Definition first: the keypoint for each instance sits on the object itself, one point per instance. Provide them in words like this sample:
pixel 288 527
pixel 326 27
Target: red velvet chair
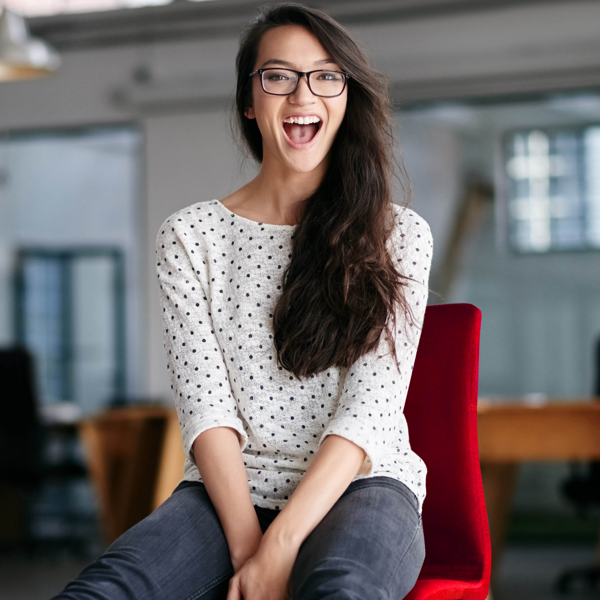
pixel 441 410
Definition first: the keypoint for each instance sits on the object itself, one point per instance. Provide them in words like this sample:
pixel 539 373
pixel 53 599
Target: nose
pixel 302 95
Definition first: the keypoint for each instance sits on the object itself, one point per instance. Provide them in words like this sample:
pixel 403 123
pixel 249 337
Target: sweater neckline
pixel 252 223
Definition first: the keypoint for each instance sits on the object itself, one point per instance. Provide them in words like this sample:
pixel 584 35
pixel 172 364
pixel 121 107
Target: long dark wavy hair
pixel 341 285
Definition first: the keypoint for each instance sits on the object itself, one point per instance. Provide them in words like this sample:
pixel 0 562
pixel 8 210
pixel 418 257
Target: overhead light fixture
pixel 21 56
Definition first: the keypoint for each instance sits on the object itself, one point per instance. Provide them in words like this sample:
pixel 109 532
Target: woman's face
pixel 301 148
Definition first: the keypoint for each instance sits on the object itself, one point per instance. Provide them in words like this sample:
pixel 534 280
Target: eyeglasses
pixel 282 82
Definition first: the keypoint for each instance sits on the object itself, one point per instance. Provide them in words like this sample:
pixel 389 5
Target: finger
pixel 234 590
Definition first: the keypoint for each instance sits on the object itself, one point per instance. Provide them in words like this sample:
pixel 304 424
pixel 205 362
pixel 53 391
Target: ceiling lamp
pixel 21 56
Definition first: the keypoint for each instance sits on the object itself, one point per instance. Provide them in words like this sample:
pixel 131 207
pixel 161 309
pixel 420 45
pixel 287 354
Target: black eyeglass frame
pixel 300 74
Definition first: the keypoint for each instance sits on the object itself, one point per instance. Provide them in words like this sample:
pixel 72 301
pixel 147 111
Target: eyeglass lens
pixel 321 83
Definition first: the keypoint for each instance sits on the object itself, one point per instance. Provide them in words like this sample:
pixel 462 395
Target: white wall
pixel 433 158
pixel 189 158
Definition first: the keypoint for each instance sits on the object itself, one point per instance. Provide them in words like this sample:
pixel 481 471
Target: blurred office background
pixel 498 108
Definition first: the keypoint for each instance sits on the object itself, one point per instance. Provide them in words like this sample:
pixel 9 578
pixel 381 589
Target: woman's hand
pixel 266 575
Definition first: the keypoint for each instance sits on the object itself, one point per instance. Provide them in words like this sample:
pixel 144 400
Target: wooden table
pixel 512 432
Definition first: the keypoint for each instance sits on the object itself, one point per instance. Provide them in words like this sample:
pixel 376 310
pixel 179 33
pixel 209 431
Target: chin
pixel 305 167
pixel 304 164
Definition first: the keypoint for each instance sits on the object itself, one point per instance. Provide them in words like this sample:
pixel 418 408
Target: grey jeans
pixel 369 546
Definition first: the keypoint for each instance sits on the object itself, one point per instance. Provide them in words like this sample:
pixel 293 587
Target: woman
pixel 292 312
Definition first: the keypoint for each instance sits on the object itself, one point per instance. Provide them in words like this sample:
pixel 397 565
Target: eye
pixel 329 76
pixel 276 76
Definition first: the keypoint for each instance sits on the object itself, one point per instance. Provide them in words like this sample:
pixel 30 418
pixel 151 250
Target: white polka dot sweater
pixel 220 276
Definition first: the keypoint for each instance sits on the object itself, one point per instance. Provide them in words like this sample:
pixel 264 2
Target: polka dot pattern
pixel 220 276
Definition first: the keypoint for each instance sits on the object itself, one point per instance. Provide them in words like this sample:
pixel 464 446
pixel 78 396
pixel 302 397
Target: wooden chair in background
pixel 135 459
pixel 170 468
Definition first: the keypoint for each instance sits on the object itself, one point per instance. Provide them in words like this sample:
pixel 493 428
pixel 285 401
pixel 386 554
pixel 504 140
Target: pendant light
pixel 21 56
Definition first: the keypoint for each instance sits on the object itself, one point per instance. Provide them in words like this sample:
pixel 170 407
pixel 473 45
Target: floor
pixel 528 572
pixel 39 579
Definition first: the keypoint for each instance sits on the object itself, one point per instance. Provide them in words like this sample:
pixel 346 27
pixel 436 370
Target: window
pixel 70 314
pixel 71 261
pixel 553 188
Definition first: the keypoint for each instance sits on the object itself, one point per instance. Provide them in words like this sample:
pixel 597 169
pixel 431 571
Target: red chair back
pixel 441 410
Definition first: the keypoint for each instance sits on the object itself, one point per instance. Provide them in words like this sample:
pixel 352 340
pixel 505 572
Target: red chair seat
pixel 445 589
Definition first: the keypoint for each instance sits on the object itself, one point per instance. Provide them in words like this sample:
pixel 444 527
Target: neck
pixel 277 190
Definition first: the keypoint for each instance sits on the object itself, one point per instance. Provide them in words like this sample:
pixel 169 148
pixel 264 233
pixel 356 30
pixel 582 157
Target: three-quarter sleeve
pixel 371 404
pixel 199 379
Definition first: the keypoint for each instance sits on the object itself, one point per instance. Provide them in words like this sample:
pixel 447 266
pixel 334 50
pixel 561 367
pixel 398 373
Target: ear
pixel 250 114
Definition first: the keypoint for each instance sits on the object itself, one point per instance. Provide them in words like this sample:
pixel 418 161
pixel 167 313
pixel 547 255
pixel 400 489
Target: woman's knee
pixel 353 563
pixel 338 578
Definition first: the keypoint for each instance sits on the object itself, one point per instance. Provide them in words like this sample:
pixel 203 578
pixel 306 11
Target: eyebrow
pixel 285 63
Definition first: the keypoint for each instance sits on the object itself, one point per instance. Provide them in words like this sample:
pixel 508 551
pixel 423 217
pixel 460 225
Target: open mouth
pixel 301 130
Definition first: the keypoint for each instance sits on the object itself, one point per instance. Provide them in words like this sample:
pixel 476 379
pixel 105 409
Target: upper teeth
pixel 301 120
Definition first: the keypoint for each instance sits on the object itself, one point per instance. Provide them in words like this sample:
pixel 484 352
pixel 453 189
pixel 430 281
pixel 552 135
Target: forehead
pixel 290 43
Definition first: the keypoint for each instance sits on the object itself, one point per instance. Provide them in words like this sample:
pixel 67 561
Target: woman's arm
pixel 219 460
pixel 331 471
pixel 206 406
pixel 267 573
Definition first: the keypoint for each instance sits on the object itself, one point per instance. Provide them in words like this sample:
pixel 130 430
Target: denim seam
pixel 208 586
pixel 407 493
pixel 412 541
